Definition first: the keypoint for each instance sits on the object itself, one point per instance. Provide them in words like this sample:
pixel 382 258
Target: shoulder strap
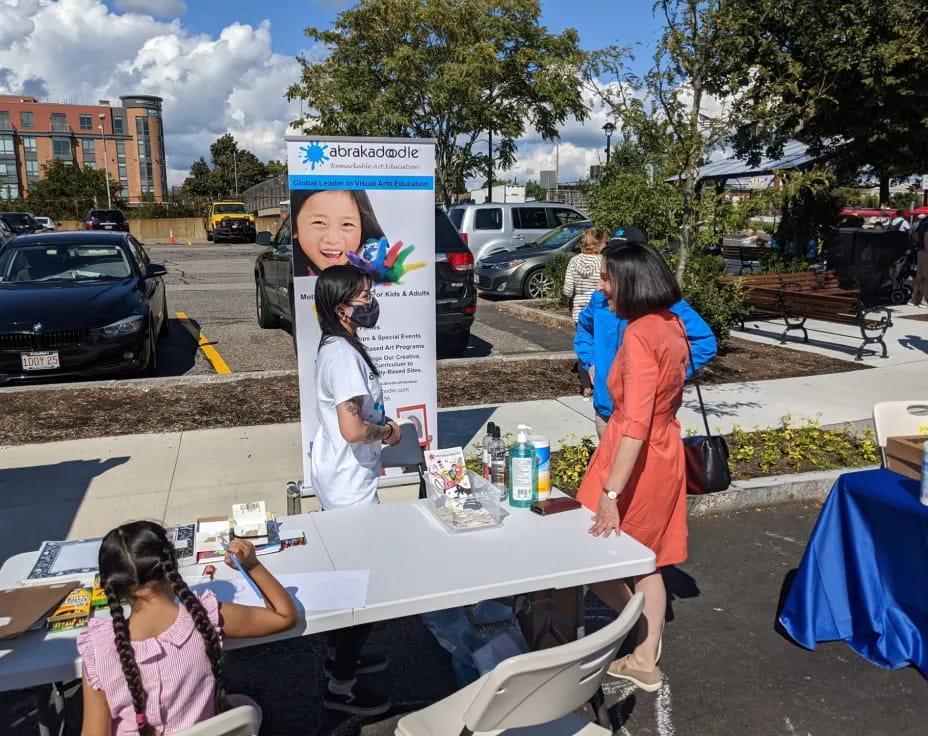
pixel 689 351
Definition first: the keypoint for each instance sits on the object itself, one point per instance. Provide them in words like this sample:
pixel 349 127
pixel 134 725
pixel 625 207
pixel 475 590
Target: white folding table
pixel 416 566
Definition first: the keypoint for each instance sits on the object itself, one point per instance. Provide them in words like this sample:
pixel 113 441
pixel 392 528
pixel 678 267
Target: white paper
pixel 314 591
pixel 250 519
pixel 76 557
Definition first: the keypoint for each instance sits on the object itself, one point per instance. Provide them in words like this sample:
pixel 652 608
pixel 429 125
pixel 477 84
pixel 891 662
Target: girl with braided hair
pixel 160 670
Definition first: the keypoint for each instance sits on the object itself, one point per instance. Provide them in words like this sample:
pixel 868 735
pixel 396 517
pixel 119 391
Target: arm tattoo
pixel 375 432
pixel 354 406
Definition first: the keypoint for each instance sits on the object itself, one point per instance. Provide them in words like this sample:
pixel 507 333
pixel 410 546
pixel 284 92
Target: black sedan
pixel 78 304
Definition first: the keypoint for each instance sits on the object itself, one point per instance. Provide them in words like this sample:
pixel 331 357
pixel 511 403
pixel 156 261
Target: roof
pixel 795 155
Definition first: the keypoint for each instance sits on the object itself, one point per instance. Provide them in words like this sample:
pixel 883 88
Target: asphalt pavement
pixel 727 668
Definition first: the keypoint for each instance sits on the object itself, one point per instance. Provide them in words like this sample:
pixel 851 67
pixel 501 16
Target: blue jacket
pixel 599 334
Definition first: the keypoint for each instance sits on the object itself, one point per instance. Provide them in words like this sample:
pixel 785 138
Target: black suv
pixel 21 223
pixel 106 220
pixel 455 292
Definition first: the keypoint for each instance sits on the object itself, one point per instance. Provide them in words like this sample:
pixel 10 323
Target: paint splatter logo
pixel 314 154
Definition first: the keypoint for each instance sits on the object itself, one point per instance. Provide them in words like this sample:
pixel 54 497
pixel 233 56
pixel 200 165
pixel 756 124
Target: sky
pixel 223 66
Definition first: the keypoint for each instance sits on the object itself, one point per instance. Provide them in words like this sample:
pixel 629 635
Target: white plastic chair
pixel 534 693
pixel 899 419
pixel 240 721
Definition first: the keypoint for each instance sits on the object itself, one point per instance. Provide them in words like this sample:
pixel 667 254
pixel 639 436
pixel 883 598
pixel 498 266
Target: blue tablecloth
pixel 864 574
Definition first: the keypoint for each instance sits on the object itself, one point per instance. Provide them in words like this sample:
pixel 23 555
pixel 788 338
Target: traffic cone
pixel 171 240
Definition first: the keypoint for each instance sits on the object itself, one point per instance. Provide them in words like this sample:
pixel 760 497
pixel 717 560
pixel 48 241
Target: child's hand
pixel 244 552
pixel 389 266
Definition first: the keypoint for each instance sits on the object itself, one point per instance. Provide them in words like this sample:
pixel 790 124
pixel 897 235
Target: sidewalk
pixel 83 488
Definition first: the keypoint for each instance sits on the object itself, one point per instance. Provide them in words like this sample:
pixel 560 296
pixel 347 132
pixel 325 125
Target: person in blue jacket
pixel 599 334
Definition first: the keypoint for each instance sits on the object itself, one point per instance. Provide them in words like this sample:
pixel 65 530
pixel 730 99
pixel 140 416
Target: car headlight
pixel 127 326
pixel 511 264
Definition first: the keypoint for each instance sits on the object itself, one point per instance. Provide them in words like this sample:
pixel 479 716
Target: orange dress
pixel 646 385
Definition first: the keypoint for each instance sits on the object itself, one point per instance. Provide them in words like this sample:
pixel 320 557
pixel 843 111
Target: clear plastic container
pixel 480 509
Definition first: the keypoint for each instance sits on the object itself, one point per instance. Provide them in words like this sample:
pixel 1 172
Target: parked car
pixel 79 304
pixel 493 226
pixel 229 220
pixel 47 223
pixel 5 233
pixel 106 220
pixel 521 271
pixel 455 293
pixel 20 222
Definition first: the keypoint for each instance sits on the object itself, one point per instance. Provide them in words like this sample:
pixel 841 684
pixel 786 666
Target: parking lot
pixel 214 287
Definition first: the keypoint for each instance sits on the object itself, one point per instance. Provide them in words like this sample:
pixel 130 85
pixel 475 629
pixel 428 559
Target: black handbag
pixel 706 456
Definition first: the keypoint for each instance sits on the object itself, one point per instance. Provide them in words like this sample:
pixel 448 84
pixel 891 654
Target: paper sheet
pixel 314 591
pixel 77 557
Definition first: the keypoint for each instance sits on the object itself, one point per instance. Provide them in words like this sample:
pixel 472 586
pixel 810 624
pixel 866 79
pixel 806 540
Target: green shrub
pixel 569 464
pixel 556 268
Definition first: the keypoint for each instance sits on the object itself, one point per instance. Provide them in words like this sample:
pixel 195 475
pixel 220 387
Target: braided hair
pixel 133 555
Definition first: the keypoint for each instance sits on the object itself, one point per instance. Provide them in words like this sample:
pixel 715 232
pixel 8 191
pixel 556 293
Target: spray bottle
pixel 486 446
pixel 498 463
pixel 523 471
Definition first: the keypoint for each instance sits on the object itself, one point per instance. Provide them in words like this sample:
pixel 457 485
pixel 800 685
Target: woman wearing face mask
pixel 345 462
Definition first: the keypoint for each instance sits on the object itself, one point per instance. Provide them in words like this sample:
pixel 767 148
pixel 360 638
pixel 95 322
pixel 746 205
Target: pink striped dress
pixel 174 666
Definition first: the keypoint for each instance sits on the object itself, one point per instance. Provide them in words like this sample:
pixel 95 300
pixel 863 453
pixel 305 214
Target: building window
pixel 125 193
pixel 27 120
pixel 117 126
pixel 6 144
pixel 9 191
pixel 86 122
pixel 61 148
pixel 141 126
pixel 89 145
pixel 5 120
pixel 60 123
pixel 7 169
pixel 32 169
pixel 123 174
pixel 29 143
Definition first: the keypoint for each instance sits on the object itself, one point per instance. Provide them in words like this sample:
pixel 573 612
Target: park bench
pixel 797 297
pixel 747 255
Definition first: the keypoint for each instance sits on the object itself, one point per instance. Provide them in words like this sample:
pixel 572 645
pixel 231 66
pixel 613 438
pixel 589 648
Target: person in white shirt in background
pixel 345 460
pixel 899 222
pixel 580 281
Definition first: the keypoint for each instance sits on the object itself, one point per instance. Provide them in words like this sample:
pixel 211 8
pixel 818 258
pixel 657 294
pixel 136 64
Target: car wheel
pixel 538 285
pixel 899 296
pixel 209 236
pixel 456 343
pixel 267 320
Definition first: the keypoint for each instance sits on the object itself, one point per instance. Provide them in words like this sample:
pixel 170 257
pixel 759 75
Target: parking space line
pixel 211 354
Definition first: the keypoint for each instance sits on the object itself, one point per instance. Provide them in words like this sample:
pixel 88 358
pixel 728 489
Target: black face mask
pixel 366 315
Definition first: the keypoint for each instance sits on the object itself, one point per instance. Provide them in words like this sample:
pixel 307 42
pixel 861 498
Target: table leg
pixel 580 621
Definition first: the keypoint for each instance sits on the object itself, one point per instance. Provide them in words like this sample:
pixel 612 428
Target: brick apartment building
pixel 130 142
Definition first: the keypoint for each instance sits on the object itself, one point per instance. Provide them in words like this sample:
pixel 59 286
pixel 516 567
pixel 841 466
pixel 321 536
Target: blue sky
pixel 223 66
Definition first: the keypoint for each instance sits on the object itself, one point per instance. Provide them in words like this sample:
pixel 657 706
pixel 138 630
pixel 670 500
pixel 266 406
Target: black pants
pixel 347 644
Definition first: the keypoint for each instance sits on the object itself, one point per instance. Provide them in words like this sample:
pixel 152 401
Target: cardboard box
pixel 904 455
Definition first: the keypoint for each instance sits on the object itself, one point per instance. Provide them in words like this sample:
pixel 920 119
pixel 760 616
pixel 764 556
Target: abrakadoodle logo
pixel 314 153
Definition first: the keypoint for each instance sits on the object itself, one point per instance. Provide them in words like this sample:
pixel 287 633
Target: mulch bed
pixel 75 413
pixel 918 317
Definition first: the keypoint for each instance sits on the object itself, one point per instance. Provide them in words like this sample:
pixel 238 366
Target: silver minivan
pixel 495 226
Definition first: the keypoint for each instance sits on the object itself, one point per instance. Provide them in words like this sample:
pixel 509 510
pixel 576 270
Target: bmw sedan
pixel 79 304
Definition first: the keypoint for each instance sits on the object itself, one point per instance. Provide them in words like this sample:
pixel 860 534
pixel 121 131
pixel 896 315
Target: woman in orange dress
pixel 636 481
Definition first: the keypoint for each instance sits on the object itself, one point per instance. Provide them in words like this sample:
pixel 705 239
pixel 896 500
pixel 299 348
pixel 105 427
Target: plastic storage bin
pixel 477 510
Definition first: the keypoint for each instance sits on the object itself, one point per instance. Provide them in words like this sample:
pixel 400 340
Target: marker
pixel 242 570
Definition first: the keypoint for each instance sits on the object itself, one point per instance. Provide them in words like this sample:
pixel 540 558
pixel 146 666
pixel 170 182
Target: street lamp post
pixel 235 168
pixel 106 163
pixel 608 129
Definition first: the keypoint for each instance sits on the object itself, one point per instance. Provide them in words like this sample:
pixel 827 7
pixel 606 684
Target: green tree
pixel 66 191
pixel 454 70
pixel 276 168
pixel 198 182
pixel 669 111
pixel 847 79
pixel 231 165
pixel 534 190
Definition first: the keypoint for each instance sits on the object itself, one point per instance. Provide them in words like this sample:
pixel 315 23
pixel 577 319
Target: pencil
pixel 241 569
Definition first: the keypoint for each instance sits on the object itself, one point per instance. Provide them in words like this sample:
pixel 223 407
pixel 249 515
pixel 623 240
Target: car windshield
pixel 19 221
pixel 27 264
pixel 456 215
pixel 230 209
pixel 561 236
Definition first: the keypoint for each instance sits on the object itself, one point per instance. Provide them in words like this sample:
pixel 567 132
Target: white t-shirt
pixel 343 473
pixel 900 223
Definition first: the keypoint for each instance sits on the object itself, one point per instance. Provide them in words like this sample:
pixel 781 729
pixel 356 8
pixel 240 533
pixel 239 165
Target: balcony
pixel 61 128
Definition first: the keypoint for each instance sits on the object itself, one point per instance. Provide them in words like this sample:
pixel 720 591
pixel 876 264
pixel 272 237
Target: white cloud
pixel 160 8
pixel 233 82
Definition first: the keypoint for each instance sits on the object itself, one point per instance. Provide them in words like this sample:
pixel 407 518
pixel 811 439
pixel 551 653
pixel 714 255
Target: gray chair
pixel 532 694
pixel 406 454
pixel 240 721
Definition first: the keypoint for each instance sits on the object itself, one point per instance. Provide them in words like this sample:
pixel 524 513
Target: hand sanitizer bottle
pixel 523 471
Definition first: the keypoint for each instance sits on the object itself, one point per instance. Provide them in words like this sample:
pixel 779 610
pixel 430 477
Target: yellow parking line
pixel 212 355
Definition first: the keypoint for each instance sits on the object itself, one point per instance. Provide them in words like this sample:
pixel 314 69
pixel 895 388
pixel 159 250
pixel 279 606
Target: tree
pixel 198 182
pixel 847 79
pixel 276 168
pixel 534 191
pixel 67 191
pixel 459 71
pixel 669 110
pixel 234 170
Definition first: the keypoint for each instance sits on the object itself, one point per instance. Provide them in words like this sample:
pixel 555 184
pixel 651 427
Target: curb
pixel 521 309
pixel 143 384
pixel 775 490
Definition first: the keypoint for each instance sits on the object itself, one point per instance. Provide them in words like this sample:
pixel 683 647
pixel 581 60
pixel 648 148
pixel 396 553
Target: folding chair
pixel 899 419
pixel 241 721
pixel 406 454
pixel 535 692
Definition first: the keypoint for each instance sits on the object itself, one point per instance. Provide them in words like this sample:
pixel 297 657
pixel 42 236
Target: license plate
pixel 107 227
pixel 40 361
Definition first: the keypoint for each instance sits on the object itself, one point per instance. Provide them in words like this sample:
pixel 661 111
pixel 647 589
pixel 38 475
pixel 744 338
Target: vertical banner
pixel 369 202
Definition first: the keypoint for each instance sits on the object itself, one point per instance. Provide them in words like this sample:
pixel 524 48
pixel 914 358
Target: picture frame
pixel 417 415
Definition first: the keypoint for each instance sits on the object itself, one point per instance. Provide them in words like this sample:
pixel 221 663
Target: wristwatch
pixel 612 495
